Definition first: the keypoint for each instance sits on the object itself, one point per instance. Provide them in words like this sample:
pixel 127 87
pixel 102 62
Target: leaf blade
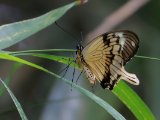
pixel 123 92
pixel 133 102
pixel 96 99
pixel 15 32
pixel 9 77
pixel 17 104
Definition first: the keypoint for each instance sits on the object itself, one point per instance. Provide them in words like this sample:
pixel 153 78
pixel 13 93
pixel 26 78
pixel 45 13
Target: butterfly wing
pixel 129 42
pixel 106 55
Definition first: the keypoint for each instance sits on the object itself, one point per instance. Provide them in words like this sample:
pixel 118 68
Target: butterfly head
pixel 79 48
pixel 79 55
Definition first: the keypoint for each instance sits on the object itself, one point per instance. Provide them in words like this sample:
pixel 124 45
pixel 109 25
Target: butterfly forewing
pixel 106 55
pixel 129 43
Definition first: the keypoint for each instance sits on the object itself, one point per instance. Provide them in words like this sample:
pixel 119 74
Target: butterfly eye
pixel 81 47
pixel 78 47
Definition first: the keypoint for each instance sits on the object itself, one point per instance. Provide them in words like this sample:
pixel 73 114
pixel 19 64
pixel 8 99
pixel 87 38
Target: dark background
pixel 45 98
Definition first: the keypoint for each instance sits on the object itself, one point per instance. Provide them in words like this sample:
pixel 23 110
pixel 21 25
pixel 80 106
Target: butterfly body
pixel 83 65
pixel 103 59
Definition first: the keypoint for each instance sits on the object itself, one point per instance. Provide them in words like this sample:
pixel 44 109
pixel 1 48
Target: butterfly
pixel 103 59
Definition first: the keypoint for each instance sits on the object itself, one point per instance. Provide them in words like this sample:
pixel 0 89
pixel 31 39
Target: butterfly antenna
pixel 70 34
pixel 66 68
pixel 82 39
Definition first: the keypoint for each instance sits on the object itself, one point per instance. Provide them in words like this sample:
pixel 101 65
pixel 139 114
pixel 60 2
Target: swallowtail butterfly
pixel 103 59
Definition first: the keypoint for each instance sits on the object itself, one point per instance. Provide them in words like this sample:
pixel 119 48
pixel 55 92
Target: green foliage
pixel 122 91
pixel 17 104
pixel 9 77
pixel 16 32
pixel 98 100
pixel 133 101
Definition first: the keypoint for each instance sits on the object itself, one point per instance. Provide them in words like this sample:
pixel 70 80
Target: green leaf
pixel 98 100
pixel 17 104
pixel 133 101
pixel 9 77
pixel 40 51
pixel 122 91
pixel 61 59
pixel 126 95
pixel 16 32
pixel 146 57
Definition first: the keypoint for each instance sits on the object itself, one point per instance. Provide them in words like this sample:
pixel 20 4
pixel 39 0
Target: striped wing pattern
pixel 104 58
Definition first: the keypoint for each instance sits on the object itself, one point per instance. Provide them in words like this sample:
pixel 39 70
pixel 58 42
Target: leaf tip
pixel 81 2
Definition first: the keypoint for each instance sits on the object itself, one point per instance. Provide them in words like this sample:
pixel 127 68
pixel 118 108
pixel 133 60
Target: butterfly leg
pixel 79 76
pixel 66 68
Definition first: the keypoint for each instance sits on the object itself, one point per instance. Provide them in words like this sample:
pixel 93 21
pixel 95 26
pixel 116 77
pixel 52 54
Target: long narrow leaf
pixel 133 102
pixel 61 59
pixel 45 50
pixel 98 100
pixel 17 104
pixel 122 91
pixel 15 32
pixel 9 77
pixel 146 57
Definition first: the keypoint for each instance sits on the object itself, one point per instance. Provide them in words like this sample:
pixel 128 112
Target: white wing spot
pixel 133 44
pixel 122 39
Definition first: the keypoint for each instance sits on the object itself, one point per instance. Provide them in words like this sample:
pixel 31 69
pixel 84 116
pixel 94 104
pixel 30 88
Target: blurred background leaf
pixel 16 32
